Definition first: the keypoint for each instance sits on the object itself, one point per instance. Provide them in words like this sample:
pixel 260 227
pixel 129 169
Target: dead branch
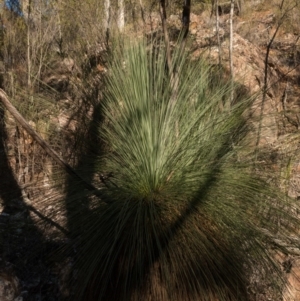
pixel 266 69
pixel 52 153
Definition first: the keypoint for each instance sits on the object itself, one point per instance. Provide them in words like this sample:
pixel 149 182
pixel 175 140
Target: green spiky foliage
pixel 182 212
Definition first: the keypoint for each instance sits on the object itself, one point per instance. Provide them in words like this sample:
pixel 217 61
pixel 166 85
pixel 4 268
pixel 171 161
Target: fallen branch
pixel 52 153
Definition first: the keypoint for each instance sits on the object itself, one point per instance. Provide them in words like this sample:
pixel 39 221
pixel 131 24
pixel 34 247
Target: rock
pixel 193 28
pixel 57 82
pixel 69 64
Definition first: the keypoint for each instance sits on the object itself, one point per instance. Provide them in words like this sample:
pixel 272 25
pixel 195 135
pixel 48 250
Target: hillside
pixel 59 92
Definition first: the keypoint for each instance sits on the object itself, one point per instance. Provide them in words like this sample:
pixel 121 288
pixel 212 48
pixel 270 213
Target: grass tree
pixel 183 214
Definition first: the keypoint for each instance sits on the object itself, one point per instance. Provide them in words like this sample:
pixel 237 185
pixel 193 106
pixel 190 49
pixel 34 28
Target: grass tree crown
pixel 184 209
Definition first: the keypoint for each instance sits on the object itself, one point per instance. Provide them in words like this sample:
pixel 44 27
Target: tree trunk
pixel 230 53
pixel 121 15
pixel 186 17
pixel 28 47
pixel 163 16
pixel 218 31
pixel 106 18
pixel 142 11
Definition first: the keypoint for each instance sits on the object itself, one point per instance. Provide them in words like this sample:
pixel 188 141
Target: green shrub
pixel 183 214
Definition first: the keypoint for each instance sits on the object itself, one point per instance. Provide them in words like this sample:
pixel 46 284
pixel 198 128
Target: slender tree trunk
pixel 231 53
pixel 142 11
pixel 186 12
pixel 240 5
pixel 218 31
pixel 60 37
pixel 121 15
pixel 107 18
pixel 28 47
pixel 163 16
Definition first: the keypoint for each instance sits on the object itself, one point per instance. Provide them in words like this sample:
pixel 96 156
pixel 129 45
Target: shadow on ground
pixel 24 270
